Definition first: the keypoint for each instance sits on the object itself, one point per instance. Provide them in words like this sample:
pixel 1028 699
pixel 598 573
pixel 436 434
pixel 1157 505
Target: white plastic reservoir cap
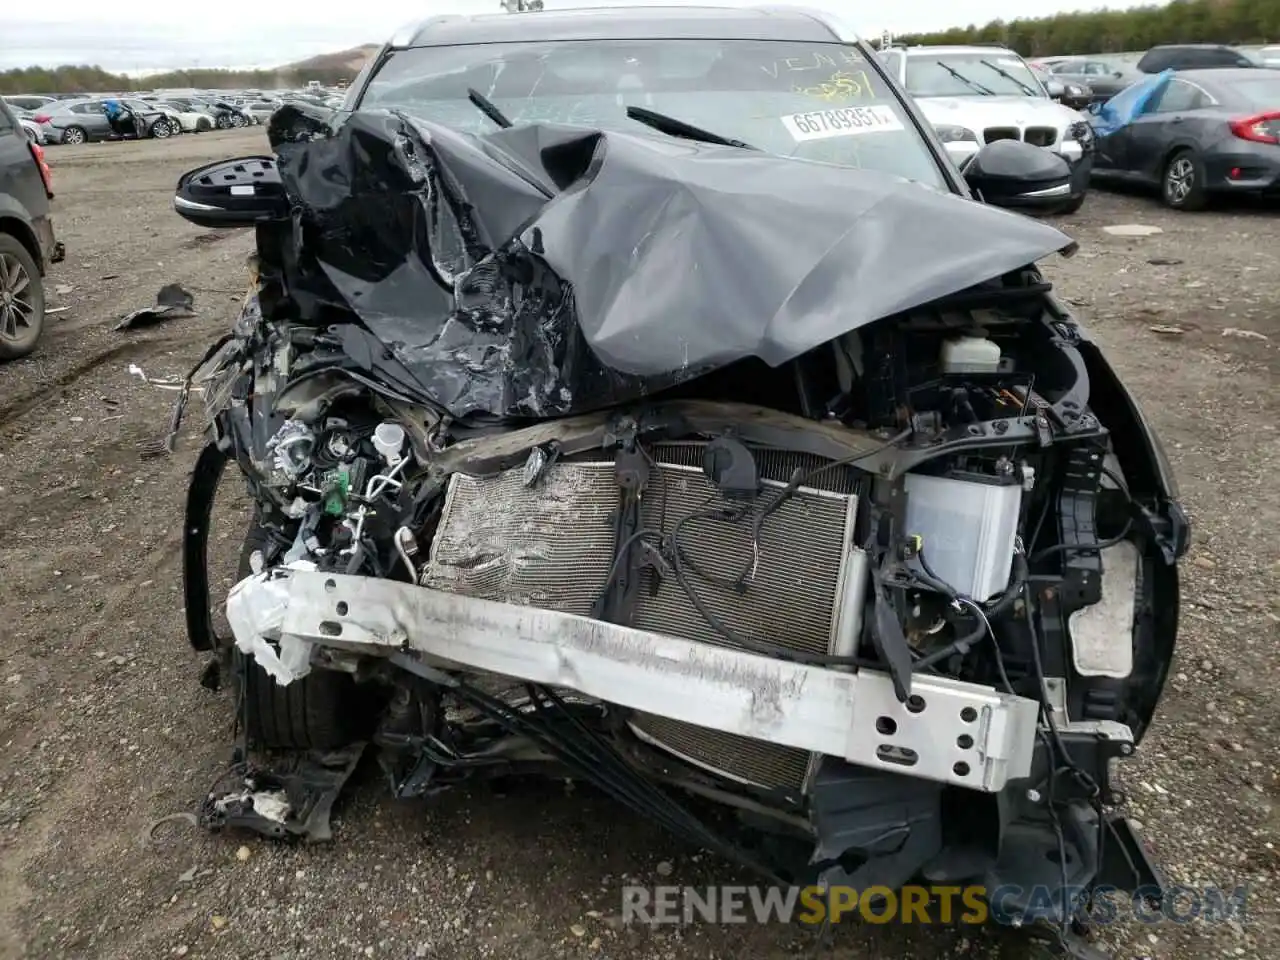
pixel 388 440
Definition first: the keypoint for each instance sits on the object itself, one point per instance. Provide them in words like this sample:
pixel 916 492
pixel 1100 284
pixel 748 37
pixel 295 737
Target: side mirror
pixel 1012 173
pixel 232 193
pixel 1057 89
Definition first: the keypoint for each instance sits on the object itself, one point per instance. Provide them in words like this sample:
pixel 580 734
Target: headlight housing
pixel 948 133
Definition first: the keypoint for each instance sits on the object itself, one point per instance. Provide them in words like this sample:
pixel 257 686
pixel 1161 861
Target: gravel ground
pixel 105 729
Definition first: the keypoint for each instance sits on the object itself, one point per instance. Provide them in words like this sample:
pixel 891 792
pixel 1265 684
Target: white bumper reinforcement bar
pixel 957 733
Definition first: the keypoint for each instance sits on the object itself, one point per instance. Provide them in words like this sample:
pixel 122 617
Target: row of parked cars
pixel 1193 120
pixel 77 119
pixel 73 121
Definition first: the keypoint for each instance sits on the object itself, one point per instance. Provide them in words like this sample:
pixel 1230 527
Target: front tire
pixel 21 299
pixel 161 130
pixel 322 711
pixel 1183 184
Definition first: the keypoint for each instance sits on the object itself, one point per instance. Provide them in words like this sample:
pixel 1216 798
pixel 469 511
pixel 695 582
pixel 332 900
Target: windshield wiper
pixel 972 84
pixel 488 108
pixel 1026 88
pixel 678 128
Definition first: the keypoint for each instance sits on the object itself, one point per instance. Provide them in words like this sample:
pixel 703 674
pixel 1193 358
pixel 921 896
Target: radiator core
pixel 552 545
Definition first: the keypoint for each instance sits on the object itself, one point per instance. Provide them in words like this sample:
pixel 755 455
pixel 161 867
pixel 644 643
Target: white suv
pixel 975 95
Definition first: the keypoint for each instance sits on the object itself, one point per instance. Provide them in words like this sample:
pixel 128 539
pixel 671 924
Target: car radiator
pixel 551 545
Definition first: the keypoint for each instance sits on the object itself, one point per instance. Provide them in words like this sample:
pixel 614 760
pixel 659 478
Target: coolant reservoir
pixel 970 354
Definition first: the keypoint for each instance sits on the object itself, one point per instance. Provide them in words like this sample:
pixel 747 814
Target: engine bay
pixel 928 518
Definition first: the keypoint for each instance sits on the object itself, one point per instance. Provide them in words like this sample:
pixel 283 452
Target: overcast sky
pixel 142 35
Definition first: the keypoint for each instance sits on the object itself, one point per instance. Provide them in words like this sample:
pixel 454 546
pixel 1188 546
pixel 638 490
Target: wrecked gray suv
pixel 768 489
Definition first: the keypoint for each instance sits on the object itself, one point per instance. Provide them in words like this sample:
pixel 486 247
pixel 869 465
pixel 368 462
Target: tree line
pixel 93 79
pixel 1119 31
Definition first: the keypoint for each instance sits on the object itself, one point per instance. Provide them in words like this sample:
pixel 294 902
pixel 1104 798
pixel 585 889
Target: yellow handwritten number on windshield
pixel 842 86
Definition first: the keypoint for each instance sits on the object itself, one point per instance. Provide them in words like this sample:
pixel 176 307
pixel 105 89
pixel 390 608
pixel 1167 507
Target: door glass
pixel 1177 96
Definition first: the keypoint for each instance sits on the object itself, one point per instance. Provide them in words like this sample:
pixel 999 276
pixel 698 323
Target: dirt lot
pixel 105 729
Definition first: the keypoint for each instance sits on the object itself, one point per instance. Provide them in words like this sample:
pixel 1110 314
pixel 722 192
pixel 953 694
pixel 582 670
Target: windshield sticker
pixel 841 86
pixel 841 122
pixel 1006 62
pixel 828 60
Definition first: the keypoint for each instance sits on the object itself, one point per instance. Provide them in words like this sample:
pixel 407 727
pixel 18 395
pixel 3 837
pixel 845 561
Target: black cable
pixel 1082 776
pixel 677 558
pixel 799 478
pixel 1079 547
pixel 960 646
pixel 1099 544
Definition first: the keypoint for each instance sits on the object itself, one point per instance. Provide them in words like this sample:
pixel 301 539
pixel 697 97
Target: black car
pixel 1103 79
pixel 27 243
pixel 1193 56
pixel 1195 134
pixel 639 394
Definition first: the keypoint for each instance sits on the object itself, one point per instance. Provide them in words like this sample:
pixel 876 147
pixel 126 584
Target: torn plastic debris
pixel 164 383
pixel 271 804
pixel 484 290
pixel 255 618
pixel 293 799
pixel 172 302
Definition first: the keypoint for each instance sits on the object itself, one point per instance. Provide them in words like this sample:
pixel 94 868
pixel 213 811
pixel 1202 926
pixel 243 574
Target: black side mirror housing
pixel 232 193
pixel 1011 173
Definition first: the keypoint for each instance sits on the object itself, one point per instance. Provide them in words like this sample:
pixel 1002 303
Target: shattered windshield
pixel 817 101
pixel 971 75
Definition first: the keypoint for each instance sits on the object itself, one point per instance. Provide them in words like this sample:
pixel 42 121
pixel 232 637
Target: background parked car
pixel 1194 133
pixel 31 126
pixel 82 121
pixel 26 238
pixel 190 120
pixel 1104 79
pixel 261 110
pixel 1070 93
pixel 227 114
pixel 1270 57
pixel 28 101
pixel 1193 56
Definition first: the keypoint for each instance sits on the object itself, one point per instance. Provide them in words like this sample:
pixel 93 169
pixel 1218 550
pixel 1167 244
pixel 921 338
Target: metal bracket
pixel 960 733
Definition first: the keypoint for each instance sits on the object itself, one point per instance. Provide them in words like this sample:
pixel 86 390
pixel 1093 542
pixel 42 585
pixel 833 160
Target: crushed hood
pixel 546 270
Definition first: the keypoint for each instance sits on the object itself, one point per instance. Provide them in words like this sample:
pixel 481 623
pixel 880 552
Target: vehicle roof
pixel 620 23
pixel 1223 77
pixel 942 51
pixel 1192 46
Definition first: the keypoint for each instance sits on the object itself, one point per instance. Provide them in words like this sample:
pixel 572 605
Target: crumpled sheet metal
pixel 1127 105
pixel 547 270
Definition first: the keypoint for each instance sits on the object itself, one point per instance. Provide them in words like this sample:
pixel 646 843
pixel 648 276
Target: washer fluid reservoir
pixel 970 354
